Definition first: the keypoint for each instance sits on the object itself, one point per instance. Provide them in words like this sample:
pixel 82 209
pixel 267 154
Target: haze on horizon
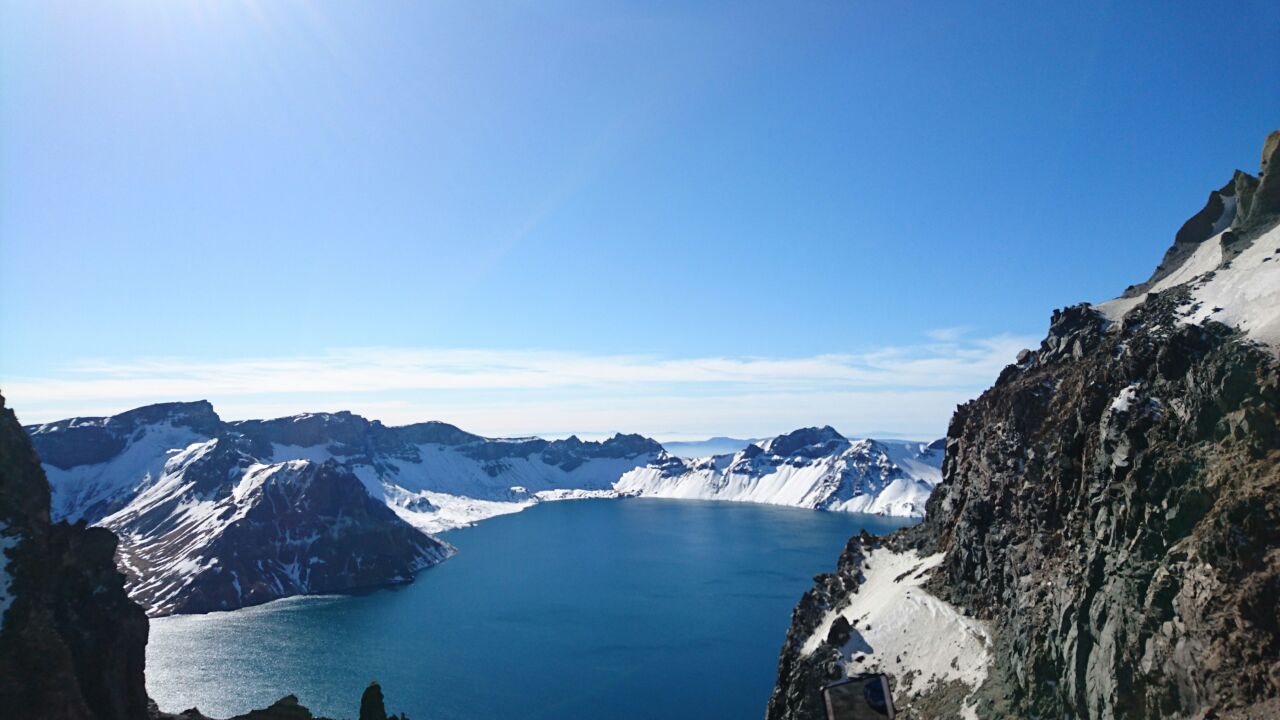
pixel 592 217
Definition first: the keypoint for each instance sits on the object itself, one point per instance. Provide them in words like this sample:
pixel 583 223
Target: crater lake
pixel 628 609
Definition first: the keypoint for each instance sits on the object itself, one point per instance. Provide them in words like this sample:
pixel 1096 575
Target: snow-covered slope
pixel 206 525
pixel 436 476
pixel 812 468
pixel 893 624
pixel 1226 258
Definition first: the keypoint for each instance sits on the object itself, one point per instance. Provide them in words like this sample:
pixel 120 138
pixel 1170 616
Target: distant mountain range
pixel 219 515
pixel 718 445
pixel 812 468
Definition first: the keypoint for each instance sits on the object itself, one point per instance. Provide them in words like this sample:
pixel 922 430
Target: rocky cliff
pixel 71 643
pixel 1105 542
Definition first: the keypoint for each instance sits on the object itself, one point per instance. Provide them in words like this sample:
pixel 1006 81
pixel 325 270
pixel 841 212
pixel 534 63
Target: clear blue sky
pixel 203 199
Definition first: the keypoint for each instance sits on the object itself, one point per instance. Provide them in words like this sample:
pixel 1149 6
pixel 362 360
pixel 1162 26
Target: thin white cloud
pixel 514 392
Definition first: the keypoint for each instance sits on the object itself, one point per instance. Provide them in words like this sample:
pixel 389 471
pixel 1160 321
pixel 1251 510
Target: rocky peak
pixel 1073 331
pixel 1244 207
pixel 347 431
pixel 198 415
pixel 1260 197
pixel 89 440
pixel 432 432
pixel 628 445
pixel 808 442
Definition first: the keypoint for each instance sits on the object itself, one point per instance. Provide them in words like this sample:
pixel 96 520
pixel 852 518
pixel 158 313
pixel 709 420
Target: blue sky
pixel 681 219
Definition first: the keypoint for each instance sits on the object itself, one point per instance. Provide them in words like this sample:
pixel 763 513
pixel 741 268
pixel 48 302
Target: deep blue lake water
pixel 624 609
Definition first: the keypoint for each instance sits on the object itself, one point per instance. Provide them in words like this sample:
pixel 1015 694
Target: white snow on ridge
pixel 448 512
pixel 446 469
pixel 141 463
pixel 436 487
pixel 1245 293
pixel 315 453
pixel 860 476
pixel 901 629
pixel 444 488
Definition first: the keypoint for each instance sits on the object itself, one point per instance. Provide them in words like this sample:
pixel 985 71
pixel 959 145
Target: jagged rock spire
pixel 371 705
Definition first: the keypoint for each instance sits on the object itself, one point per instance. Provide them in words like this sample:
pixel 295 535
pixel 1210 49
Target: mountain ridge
pixel 177 484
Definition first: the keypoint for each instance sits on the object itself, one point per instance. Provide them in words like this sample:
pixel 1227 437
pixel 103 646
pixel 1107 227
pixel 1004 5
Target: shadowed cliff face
pixel 72 644
pixel 1110 508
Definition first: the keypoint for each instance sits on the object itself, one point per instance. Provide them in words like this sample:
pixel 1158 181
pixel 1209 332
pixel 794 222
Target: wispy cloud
pixel 900 388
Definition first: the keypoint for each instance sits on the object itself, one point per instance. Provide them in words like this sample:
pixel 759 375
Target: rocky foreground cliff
pixel 1105 542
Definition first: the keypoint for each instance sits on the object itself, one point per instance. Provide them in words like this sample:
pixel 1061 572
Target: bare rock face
pixel 1116 516
pixel 1111 509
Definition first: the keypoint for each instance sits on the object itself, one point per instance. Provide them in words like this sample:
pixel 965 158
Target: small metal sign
pixel 862 697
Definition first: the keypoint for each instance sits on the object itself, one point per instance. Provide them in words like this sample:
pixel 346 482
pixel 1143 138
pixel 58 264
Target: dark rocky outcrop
pixel 1111 508
pixel 288 708
pixel 71 643
pixel 371 704
pixel 1117 516
pixel 805 442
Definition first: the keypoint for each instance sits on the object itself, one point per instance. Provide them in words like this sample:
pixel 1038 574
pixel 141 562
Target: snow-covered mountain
pixel 205 524
pixel 436 476
pixel 215 514
pixel 218 515
pixel 812 468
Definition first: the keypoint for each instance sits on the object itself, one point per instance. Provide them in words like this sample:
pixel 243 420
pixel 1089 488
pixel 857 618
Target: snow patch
pixel 1244 293
pixel 7 543
pixel 1125 399
pixel 901 629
